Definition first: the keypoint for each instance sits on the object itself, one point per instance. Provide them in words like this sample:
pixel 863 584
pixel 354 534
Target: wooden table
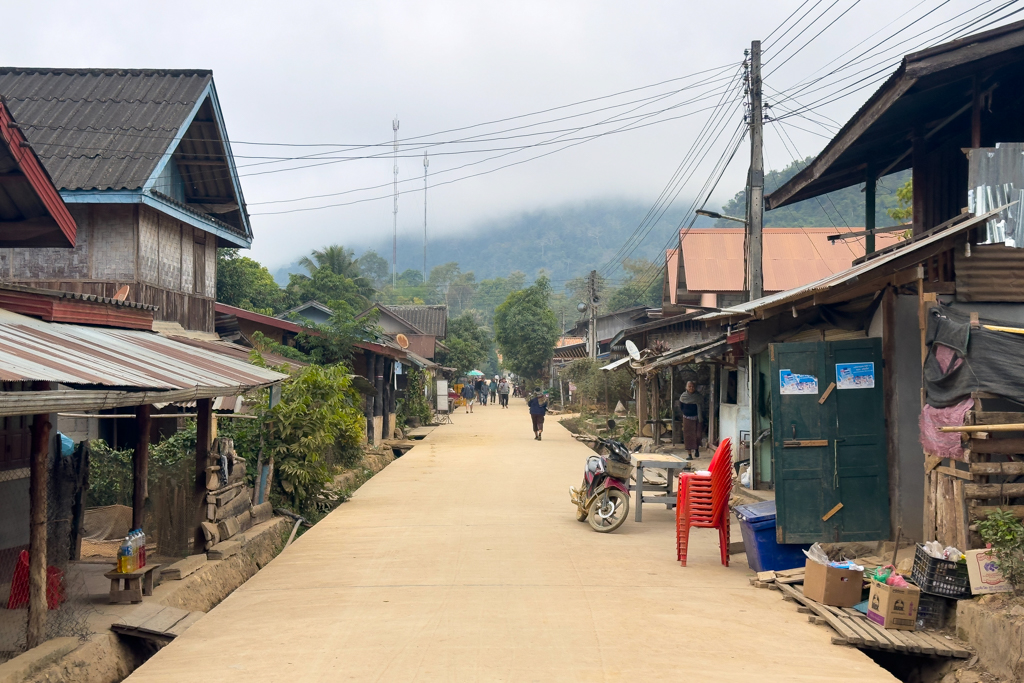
pixel 672 465
pixel 136 584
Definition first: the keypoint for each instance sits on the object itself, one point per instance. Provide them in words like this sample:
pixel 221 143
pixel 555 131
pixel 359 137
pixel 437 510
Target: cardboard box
pixel 833 586
pixel 892 607
pixel 985 576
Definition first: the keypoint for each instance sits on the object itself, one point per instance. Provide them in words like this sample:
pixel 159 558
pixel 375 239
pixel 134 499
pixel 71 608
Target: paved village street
pixel 462 561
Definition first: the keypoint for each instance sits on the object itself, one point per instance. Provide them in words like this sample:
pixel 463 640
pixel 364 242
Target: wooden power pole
pixel 592 293
pixel 755 204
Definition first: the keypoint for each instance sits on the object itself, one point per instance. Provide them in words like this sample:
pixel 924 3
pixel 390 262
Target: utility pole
pixel 755 197
pixel 592 291
pixel 426 162
pixel 394 213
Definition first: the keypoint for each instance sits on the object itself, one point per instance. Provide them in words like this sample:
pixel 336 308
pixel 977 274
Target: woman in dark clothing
pixel 538 404
pixel 689 405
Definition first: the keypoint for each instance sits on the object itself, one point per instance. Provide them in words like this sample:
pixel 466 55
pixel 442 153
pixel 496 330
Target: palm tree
pixel 334 258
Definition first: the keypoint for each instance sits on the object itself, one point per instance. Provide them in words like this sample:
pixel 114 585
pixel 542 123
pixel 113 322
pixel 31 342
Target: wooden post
pixel 39 474
pixel 976 116
pixel 919 151
pixel 641 403
pixel 712 423
pixel 204 436
pixel 140 462
pixel 869 212
pixel 889 404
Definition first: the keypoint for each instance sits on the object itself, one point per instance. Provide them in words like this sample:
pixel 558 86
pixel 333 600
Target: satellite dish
pixel 402 340
pixel 122 294
pixel 631 349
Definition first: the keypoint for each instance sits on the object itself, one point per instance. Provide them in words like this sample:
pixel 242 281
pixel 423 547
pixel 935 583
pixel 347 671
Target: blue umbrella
pixel 475 373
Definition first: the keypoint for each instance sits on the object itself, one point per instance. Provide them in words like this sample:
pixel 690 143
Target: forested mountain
pixel 843 208
pixel 565 242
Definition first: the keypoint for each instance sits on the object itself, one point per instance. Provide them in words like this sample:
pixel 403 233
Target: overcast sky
pixel 339 72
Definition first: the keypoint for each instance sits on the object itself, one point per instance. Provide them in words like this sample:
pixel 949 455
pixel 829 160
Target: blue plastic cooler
pixel 757 524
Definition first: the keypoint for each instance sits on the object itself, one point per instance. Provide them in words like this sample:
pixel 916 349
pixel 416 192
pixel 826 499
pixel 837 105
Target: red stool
pixel 702 500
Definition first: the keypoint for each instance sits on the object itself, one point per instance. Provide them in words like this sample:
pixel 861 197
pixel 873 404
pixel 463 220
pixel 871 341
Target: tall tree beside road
pixel 339 261
pixel 374 267
pixel 467 342
pixel 526 329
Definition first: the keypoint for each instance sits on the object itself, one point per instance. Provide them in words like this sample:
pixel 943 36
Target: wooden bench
pixel 136 584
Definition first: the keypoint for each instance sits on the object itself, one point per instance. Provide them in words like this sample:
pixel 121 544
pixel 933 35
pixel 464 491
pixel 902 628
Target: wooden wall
pixel 165 263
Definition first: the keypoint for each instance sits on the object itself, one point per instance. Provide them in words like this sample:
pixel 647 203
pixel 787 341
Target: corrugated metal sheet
pixel 32 349
pixel 101 129
pixel 430 319
pixel 713 257
pixel 991 273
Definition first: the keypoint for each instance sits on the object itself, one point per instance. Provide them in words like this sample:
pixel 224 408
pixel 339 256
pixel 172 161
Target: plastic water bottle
pixel 124 556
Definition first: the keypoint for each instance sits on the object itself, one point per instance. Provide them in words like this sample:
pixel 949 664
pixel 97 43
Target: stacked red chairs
pixel 703 501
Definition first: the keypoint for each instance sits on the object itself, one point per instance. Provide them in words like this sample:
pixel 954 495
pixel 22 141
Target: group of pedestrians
pixel 478 392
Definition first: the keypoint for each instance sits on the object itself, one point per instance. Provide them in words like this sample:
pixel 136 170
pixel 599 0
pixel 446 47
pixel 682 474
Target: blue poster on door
pixel 855 375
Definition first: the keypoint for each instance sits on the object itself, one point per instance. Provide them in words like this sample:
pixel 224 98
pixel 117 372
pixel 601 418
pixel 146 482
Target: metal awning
pixel 687 354
pixel 112 367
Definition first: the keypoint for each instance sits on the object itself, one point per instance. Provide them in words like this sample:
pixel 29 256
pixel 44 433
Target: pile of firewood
pixel 229 507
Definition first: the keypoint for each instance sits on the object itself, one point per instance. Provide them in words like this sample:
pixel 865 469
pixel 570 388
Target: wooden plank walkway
pixel 155 622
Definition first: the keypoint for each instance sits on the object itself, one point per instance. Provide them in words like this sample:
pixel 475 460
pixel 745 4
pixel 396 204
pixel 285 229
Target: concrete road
pixel 462 561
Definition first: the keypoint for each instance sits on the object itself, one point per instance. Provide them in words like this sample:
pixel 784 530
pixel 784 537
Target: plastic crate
pixel 764 553
pixel 932 611
pixel 940 577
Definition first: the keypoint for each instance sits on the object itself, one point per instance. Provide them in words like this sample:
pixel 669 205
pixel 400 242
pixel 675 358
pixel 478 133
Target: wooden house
pixel 143 161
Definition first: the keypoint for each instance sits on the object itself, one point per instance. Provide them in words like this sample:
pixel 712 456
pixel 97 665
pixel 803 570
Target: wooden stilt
pixel 204 437
pixel 39 476
pixel 140 462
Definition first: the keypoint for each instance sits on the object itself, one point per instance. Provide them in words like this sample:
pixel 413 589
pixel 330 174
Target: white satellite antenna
pixel 631 349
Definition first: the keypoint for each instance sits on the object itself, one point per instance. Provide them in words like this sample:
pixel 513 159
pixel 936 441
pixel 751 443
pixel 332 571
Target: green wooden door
pixel 829 449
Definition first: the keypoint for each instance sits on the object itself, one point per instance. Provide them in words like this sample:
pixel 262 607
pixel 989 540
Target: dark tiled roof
pixel 101 129
pixel 431 319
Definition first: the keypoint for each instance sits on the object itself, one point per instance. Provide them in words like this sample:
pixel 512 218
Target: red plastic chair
pixel 702 500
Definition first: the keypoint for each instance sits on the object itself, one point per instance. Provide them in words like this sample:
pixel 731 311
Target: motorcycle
pixel 603 497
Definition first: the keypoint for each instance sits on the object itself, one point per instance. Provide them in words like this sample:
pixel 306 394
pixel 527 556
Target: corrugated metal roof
pixel 101 128
pixel 32 349
pixel 430 319
pixel 852 274
pixel 713 257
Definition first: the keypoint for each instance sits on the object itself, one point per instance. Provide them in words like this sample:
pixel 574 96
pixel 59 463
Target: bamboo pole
pixel 1013 427
pixel 36 632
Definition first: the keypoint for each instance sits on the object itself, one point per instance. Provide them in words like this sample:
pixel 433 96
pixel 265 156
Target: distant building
pixel 313 311
pixel 710 271
pixel 142 159
pixel 423 342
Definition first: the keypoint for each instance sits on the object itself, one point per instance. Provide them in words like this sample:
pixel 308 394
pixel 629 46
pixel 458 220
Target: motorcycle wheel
pixel 609 516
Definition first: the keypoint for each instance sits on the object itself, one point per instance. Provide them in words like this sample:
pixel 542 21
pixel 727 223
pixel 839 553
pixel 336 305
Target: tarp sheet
pixel 991 359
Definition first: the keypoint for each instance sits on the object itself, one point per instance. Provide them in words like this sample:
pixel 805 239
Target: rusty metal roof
pixel 76 355
pixel 713 257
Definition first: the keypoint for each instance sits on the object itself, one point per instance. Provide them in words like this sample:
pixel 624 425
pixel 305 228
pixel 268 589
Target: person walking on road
pixel 538 404
pixel 469 395
pixel 481 391
pixel 494 390
pixel 503 391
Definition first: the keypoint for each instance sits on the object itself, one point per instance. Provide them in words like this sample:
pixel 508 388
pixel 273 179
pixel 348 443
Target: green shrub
pixel 1006 535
